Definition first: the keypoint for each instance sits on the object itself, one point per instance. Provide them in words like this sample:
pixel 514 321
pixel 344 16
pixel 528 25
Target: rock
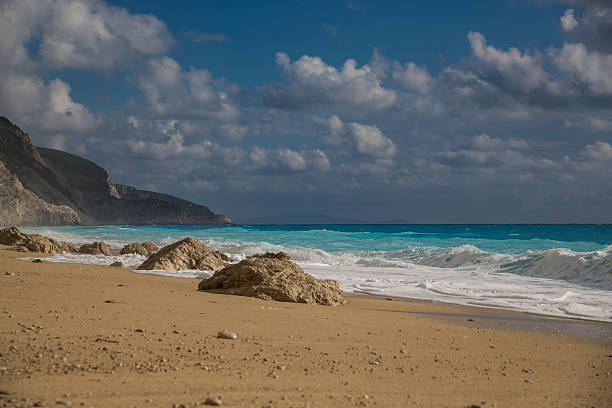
pixel 34 242
pixel 95 248
pixel 145 249
pixel 36 260
pixel 39 243
pixel 225 334
pixel 151 247
pixel 188 253
pixel 118 264
pixel 273 277
pixel 216 401
pixel 12 236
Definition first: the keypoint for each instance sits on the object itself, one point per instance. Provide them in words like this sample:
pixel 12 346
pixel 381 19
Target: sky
pixel 433 112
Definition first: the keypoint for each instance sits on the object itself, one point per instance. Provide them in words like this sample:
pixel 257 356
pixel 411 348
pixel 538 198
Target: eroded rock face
pixel 151 247
pixel 273 277
pixel 12 236
pixel 34 242
pixel 188 253
pixel 146 248
pixel 95 248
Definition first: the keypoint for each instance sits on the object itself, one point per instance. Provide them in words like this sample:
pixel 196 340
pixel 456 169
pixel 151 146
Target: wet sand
pixel 98 336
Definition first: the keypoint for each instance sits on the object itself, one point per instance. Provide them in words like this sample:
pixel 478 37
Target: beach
pixel 97 336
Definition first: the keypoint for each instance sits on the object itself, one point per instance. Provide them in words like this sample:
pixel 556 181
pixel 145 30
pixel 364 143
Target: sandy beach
pixel 95 336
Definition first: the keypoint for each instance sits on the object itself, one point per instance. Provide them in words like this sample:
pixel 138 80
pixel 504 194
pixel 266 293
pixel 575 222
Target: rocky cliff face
pixel 43 186
pixel 19 206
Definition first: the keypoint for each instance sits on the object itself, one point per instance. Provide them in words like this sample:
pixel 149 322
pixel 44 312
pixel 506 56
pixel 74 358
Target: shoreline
pixel 515 319
pixel 104 337
pixel 501 312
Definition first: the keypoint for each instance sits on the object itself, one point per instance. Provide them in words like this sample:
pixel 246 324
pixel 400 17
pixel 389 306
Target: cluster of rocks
pixel 269 276
pixel 34 242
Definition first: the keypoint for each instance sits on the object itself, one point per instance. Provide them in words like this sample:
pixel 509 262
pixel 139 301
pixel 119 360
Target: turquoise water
pixel 504 239
pixel 560 270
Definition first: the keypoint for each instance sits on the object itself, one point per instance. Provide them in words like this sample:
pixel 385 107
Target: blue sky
pixel 438 111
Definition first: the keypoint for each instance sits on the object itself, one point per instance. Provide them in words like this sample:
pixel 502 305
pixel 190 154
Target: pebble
pixel 63 402
pixel 9 273
pixel 225 334
pixel 216 401
pixel 37 261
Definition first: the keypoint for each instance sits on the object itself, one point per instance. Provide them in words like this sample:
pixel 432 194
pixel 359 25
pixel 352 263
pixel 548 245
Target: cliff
pixel 41 186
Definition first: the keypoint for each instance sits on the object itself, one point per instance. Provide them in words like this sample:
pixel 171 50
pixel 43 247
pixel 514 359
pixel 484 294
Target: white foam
pixel 557 282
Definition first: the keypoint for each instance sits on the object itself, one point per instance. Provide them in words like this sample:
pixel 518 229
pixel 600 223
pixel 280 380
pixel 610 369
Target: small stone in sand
pixel 225 334
pixel 37 260
pixel 216 401
pixel 118 264
pixel 9 273
pixel 63 402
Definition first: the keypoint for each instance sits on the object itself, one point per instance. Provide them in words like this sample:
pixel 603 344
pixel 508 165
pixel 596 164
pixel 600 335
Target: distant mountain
pixel 40 186
pixel 298 217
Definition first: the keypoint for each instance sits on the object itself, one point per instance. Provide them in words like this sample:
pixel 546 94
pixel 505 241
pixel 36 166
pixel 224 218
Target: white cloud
pixel 79 33
pixel 413 77
pixel 92 34
pixel 592 68
pixel 512 68
pixel 484 150
pixel 568 20
pixel 172 91
pixel 312 82
pixel 370 140
pixel 29 101
pixel 364 139
pixel 292 159
pixel 598 151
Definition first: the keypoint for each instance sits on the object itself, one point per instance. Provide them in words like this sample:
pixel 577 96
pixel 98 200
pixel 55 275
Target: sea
pixel 554 270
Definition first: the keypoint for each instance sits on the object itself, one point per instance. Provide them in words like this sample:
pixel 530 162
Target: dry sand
pixel 97 336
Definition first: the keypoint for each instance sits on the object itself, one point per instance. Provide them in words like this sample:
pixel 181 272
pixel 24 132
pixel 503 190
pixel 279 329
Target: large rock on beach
pixel 12 236
pixel 273 277
pixel 95 248
pixel 146 248
pixel 34 242
pixel 188 253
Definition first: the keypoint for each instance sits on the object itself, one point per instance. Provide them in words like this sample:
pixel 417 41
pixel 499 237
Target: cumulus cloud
pixel 30 101
pixel 591 68
pixel 592 26
pixel 283 160
pixel 568 20
pixel 598 151
pixel 79 33
pixel 484 150
pixel 510 69
pixel 311 82
pixel 363 139
pixel 413 77
pixel 174 92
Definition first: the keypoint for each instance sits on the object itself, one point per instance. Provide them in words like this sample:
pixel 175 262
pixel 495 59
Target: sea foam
pixel 551 281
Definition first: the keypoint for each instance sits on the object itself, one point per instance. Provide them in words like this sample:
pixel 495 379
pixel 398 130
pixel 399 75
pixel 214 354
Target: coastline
pixel 107 337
